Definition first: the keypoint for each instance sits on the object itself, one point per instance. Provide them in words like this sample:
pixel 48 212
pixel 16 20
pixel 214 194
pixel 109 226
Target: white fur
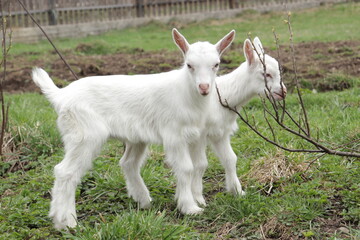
pixel 237 88
pixel 166 108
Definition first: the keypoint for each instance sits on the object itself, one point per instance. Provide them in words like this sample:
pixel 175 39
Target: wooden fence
pixel 60 12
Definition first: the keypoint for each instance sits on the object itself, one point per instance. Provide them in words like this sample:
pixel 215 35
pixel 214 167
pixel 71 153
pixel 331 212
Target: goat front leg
pixel 178 157
pixel 198 157
pixel 225 153
pixel 131 163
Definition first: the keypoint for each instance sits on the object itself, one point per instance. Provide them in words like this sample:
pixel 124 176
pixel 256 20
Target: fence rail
pixel 60 12
pixel 80 18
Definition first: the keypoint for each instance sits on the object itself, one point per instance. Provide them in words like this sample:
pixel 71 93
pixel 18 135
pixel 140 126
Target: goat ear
pixel 225 42
pixel 249 52
pixel 258 46
pixel 180 41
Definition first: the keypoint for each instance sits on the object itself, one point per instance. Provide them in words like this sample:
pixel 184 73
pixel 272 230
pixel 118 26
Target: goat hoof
pixel 241 193
pixel 69 222
pixel 193 211
pixel 146 205
pixel 201 201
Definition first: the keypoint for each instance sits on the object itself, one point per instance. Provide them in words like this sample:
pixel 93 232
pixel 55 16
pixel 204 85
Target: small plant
pixel 95 48
pixel 337 82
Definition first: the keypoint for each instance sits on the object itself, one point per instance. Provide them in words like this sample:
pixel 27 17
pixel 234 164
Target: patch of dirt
pixel 318 60
pixel 315 61
pixel 274 229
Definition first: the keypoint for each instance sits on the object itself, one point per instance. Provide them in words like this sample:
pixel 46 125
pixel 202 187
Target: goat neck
pixel 236 87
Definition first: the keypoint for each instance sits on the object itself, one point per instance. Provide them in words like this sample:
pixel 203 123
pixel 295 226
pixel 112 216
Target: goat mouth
pixel 204 92
pixel 278 96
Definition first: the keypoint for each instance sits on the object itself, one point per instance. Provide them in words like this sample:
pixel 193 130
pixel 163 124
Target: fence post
pixel 52 14
pixel 140 8
pixel 233 4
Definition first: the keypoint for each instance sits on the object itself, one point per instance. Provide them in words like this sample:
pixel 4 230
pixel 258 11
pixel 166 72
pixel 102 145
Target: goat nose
pixel 284 91
pixel 204 86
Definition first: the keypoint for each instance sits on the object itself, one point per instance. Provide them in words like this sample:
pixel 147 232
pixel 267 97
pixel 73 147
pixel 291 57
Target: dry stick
pixel 348 143
pixel 271 128
pixel 280 70
pixel 225 105
pixel 262 60
pixel 306 131
pixel 8 48
pixel 312 162
pixel 295 122
pixel 321 148
pixel 2 99
pixel 317 144
pixel 48 38
pixel 296 76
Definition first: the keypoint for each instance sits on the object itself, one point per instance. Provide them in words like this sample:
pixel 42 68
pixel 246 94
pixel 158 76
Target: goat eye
pixel 216 65
pixel 268 75
pixel 189 66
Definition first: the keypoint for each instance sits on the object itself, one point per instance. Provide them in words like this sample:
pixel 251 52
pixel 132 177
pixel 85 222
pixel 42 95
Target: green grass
pixel 328 23
pixel 135 224
pixel 296 203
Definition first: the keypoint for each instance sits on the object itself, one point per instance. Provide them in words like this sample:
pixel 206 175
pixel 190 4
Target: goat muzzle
pixel 204 88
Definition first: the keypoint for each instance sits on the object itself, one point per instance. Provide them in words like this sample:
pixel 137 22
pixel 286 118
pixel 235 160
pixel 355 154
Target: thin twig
pixel 283 107
pixel 303 133
pixel 312 162
pixel 261 57
pixel 271 128
pixel 5 51
pixel 48 38
pixel 295 122
pixel 321 148
pixel 257 132
pixel 292 49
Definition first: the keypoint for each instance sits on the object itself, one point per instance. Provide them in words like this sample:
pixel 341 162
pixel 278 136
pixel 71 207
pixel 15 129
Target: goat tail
pixel 43 81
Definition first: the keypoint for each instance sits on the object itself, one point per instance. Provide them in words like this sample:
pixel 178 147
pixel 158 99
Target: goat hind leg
pixel 131 163
pixel 68 173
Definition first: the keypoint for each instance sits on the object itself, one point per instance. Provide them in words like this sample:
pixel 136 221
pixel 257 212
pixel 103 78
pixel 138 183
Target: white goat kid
pixel 166 108
pixel 238 87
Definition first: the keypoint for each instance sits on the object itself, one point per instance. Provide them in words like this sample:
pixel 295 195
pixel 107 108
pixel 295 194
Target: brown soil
pixel 315 61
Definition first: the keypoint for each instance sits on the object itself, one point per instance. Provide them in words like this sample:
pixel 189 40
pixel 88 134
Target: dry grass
pixel 273 229
pixel 11 154
pixel 224 231
pixel 270 169
pixel 9 148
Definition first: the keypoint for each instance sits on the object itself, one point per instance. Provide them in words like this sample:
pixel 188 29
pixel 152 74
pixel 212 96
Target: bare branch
pixel 271 128
pixel 48 38
pixel 5 51
pixel 301 132
pixel 292 49
pixel 314 160
pixel 283 106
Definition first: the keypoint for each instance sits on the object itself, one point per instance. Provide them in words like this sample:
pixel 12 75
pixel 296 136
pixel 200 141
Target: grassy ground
pixel 329 23
pixel 284 198
pixel 298 204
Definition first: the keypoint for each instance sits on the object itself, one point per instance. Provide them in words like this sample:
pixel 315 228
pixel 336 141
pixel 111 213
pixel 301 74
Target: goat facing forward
pixel 166 108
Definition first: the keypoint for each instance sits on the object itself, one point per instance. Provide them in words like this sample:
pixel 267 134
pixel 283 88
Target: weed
pixel 94 48
pixel 336 82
